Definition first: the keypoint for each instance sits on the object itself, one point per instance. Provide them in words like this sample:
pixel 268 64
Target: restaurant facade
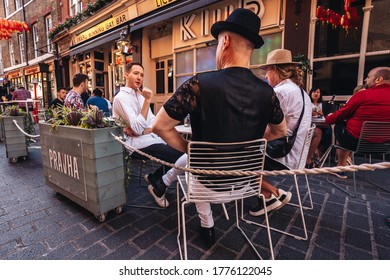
pixel 173 42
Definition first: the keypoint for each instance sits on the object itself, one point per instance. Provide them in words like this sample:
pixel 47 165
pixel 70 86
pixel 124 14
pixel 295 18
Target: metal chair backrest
pixel 240 156
pixel 306 147
pixel 368 140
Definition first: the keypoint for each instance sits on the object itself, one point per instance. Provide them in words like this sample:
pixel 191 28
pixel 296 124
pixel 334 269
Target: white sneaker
pixel 161 201
pixel 270 203
pixel 284 197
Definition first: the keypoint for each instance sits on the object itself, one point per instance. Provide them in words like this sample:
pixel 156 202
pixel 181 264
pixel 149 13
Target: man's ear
pixel 379 79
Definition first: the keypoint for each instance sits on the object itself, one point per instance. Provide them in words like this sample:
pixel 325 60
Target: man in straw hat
pixel 227 105
pixel 286 77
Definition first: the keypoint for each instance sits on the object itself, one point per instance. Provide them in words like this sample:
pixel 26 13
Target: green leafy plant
pixel 73 21
pixel 93 119
pixel 90 119
pixel 305 63
pixel 14 111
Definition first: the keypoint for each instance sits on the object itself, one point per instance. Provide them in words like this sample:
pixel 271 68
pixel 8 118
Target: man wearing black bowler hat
pixel 236 108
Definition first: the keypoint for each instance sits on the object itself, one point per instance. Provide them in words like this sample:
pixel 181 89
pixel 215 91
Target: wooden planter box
pixel 86 166
pixel 15 140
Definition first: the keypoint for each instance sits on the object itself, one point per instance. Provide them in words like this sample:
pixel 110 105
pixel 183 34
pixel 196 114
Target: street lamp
pixel 123 44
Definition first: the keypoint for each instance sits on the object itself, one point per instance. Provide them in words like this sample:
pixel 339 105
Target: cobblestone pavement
pixel 37 223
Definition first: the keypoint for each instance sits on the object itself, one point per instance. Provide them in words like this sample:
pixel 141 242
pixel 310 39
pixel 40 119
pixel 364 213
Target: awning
pixel 156 16
pixel 170 12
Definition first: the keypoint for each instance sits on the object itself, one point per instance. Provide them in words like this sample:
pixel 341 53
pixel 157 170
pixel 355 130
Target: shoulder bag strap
pixel 300 117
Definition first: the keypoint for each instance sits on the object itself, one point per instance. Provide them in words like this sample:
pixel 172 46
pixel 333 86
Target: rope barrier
pixel 25 133
pixel 323 170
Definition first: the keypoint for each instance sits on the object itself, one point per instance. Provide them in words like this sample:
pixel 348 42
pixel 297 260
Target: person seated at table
pixel 322 136
pixel 97 100
pixel 237 109
pixel 372 104
pixel 131 108
pixel 59 101
pixel 286 77
pixel 23 94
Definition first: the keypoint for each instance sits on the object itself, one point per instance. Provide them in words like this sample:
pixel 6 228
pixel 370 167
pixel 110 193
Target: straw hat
pixel 278 56
pixel 243 22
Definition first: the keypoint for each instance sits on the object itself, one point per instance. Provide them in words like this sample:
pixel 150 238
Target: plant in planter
pixel 16 142
pixel 82 160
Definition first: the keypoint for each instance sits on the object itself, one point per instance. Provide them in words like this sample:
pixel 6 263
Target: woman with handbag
pixel 286 77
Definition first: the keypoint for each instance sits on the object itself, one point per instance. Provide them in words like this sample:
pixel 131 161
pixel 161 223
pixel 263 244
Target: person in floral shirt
pixel 73 98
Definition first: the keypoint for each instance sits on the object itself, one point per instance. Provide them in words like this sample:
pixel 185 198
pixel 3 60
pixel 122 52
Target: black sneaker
pixel 271 204
pixel 341 175
pixel 208 236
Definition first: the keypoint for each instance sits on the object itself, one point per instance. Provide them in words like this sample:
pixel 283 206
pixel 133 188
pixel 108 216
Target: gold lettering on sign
pixel 64 163
pixel 160 3
pixel 100 28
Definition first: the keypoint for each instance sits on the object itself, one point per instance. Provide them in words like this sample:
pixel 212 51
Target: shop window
pixel 48 24
pixel 336 76
pixel 378 31
pixel 11 52
pixel 205 59
pixel 99 65
pixel 164 76
pixel 35 39
pixel 375 61
pixel 334 41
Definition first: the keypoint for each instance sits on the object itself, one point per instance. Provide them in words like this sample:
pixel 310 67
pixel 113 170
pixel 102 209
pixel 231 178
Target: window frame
pixel 17 4
pixel 11 52
pixel 48 27
pixel 35 36
pixel 21 47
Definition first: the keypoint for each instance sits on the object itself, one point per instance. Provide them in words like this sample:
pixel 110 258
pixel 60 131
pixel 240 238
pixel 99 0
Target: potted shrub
pixel 15 141
pixel 82 161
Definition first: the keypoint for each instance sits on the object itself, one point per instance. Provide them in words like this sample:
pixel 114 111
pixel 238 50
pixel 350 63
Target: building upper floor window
pixel 48 26
pixel 11 52
pixel 76 7
pixel 6 7
pixel 1 60
pixel 21 46
pixel 35 39
pixel 17 4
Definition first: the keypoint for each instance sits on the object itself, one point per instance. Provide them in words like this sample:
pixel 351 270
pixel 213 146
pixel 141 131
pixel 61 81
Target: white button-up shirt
pixel 127 109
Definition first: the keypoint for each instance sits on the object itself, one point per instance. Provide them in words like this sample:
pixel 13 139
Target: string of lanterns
pixel 7 27
pixel 347 21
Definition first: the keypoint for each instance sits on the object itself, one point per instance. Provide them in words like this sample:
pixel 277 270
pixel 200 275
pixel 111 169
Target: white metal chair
pixel 220 189
pixel 368 145
pixel 301 165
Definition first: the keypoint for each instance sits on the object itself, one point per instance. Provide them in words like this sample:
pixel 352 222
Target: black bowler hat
pixel 243 22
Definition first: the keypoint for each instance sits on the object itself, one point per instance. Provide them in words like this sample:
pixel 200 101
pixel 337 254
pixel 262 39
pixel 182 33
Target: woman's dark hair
pixel 313 90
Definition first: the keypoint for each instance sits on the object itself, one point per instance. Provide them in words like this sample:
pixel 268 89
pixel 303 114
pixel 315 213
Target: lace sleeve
pixel 277 113
pixel 185 100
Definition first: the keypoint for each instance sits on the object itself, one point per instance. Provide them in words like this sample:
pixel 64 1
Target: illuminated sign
pixel 101 27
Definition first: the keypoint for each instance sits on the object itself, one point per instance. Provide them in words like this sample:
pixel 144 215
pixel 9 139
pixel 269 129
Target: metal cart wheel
pixel 13 159
pixel 118 209
pixel 101 217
